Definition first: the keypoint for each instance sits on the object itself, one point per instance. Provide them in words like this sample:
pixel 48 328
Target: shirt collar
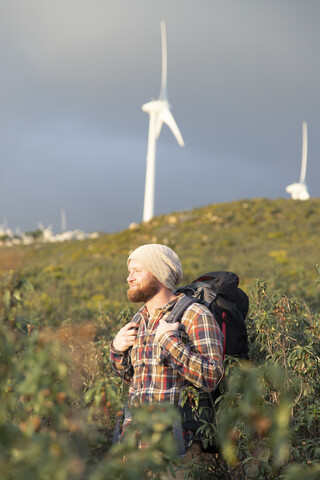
pixel 167 307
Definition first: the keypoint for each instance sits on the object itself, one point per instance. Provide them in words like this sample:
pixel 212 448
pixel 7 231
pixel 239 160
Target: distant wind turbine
pixel 299 191
pixel 63 220
pixel 159 111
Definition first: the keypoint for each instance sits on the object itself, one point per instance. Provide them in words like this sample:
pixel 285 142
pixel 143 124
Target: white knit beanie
pixel 161 261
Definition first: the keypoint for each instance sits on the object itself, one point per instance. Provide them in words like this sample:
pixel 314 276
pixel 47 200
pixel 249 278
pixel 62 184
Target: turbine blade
pixel 158 126
pixel 304 152
pixel 165 116
pixel 163 92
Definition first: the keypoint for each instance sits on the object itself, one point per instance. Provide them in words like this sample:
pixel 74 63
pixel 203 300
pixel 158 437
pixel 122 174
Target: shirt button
pixel 143 364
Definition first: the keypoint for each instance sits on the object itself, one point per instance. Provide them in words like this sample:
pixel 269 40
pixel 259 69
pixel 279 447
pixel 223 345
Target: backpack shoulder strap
pixel 179 308
pixel 202 291
pixel 137 318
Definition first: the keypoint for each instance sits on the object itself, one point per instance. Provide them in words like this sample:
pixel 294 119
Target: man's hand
pixel 125 337
pixel 165 327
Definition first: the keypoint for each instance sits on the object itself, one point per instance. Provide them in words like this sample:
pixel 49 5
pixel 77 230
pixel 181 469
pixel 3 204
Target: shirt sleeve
pixel 200 359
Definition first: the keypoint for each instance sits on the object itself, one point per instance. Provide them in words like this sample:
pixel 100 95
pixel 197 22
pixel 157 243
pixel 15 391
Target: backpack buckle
pixel 207 294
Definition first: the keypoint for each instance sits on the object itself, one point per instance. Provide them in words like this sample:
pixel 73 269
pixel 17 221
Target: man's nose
pixel 130 277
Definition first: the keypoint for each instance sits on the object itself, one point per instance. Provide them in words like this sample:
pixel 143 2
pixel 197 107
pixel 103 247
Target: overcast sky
pixel 242 77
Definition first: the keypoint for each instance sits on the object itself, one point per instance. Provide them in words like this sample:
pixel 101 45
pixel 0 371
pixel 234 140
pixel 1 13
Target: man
pixel 158 359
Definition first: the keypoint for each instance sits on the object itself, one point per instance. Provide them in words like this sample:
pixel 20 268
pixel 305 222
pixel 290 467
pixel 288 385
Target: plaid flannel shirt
pixel 157 371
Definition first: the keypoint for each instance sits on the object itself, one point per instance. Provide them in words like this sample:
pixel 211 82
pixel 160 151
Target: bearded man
pixel 158 359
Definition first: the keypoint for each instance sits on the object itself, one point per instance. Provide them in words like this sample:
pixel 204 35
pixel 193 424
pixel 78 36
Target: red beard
pixel 143 293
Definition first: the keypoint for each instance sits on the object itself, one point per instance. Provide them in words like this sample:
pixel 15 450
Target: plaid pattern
pixel 158 371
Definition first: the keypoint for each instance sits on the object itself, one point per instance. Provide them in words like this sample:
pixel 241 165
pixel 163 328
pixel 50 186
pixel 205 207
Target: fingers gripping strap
pixel 175 316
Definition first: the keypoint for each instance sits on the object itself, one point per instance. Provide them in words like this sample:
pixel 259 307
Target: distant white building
pixel 8 238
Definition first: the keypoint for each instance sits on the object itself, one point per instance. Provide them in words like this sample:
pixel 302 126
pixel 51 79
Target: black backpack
pixel 220 293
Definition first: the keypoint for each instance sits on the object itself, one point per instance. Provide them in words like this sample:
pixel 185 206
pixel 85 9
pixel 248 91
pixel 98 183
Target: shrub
pixel 60 398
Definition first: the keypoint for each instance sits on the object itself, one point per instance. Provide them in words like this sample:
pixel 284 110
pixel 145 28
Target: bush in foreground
pixel 60 400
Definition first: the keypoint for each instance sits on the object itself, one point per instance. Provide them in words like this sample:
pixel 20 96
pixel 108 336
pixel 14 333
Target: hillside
pixel 274 240
pixel 60 304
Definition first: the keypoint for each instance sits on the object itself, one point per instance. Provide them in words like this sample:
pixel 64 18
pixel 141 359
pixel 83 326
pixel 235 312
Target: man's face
pixel 142 284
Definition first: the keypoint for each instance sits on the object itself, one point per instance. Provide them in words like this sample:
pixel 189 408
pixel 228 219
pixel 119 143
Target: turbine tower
pixel 299 191
pixel 63 220
pixel 159 111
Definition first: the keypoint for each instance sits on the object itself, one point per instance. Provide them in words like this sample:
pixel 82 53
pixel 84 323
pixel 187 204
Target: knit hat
pixel 161 261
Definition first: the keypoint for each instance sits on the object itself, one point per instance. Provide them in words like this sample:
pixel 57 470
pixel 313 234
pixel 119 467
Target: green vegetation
pixel 60 304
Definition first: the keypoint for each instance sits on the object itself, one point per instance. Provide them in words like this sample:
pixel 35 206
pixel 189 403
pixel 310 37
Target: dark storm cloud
pixel 242 76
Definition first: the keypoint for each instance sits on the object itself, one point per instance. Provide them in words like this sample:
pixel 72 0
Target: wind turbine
pixel 63 220
pixel 299 191
pixel 159 111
